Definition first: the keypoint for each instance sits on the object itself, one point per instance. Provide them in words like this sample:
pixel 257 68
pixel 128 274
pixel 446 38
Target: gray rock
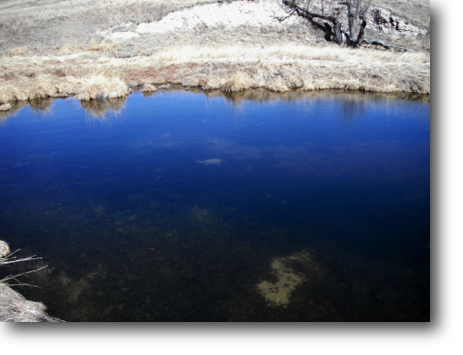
pixel 5 107
pixel 381 16
pixel 385 21
pixel 60 95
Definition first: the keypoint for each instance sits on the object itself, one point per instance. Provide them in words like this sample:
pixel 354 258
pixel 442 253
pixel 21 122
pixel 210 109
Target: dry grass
pixel 417 12
pixel 4 250
pixel 13 306
pixel 230 68
pixel 76 60
pixel 48 25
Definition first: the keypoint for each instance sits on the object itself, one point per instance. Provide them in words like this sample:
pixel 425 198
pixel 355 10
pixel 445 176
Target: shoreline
pixel 98 108
pixel 231 46
pixel 14 307
pixel 89 76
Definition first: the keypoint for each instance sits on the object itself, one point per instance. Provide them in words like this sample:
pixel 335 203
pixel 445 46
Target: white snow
pixel 230 15
pixel 122 35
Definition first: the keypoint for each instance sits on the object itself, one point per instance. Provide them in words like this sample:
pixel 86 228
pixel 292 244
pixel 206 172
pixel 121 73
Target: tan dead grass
pixel 238 82
pixel 147 87
pixel 229 68
pixel 99 86
pixel 104 46
pixel 17 51
pixel 212 60
pixel 13 306
pixel 4 249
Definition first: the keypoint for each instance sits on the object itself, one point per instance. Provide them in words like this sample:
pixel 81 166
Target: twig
pixel 381 43
pixel 13 253
pixel 19 260
pixel 24 273
pixel 287 17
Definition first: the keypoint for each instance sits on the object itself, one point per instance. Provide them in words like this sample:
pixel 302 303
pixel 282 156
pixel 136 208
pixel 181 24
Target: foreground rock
pixel 13 306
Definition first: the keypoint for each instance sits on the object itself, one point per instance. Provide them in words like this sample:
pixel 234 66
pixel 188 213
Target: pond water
pixel 186 206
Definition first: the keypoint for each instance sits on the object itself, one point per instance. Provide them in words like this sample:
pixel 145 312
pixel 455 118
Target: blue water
pixel 137 224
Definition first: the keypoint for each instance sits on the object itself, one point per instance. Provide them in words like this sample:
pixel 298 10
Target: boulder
pixel 381 16
pixel 5 107
pixel 385 21
pixel 61 95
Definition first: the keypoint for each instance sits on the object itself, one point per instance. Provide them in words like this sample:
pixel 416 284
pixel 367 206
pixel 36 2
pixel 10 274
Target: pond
pixel 193 206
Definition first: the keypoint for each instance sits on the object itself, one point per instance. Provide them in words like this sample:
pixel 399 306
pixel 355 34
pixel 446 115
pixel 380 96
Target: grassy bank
pixel 50 55
pixel 13 306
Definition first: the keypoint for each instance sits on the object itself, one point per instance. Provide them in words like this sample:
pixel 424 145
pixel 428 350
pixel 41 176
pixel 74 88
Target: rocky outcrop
pixel 385 21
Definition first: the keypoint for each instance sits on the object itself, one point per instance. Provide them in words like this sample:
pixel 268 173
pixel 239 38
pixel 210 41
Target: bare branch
pixel 287 17
pixel 333 30
pixel 13 277
pixel 381 43
pixel 19 260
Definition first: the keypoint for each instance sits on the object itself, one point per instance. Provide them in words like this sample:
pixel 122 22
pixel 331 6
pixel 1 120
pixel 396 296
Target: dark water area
pixel 186 206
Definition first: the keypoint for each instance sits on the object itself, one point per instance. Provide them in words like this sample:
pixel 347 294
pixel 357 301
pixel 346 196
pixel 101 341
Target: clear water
pixel 315 207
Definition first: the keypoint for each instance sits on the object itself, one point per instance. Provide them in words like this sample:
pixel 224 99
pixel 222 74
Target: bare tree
pixel 327 16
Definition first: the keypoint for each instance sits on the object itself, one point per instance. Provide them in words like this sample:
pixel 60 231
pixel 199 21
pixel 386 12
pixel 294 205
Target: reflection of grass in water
pixel 263 96
pixel 40 106
pixel 16 106
pixel 99 108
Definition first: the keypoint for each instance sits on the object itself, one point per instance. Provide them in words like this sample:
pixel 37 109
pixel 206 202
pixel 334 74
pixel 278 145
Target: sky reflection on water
pixel 310 206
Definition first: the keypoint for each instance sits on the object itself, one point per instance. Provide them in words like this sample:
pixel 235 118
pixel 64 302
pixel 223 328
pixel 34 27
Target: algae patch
pixel 278 293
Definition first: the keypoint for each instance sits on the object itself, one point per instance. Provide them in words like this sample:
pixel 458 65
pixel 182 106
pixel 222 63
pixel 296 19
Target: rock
pixel 4 249
pixel 386 22
pixel 5 107
pixel 60 95
pixel 126 55
pixel 381 16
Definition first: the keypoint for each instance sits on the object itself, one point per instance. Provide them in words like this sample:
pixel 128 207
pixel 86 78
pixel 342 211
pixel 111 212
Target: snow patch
pixel 229 16
pixel 122 35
